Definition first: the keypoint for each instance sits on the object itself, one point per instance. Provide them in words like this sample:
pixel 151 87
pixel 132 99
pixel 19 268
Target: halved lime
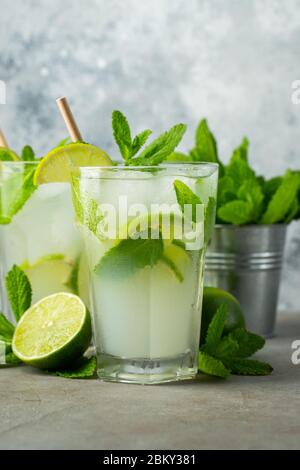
pixel 56 166
pixel 48 275
pixel 8 155
pixel 54 332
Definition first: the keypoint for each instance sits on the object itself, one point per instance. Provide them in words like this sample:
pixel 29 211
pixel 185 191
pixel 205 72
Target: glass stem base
pixel 146 371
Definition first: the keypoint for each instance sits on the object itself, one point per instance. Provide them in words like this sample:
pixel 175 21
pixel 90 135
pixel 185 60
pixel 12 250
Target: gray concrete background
pixel 39 411
pixel 161 62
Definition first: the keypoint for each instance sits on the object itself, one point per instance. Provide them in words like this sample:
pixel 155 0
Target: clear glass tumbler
pixel 37 232
pixel 145 231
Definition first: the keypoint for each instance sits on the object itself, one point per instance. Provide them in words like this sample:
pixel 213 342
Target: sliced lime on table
pixel 53 333
pixel 56 166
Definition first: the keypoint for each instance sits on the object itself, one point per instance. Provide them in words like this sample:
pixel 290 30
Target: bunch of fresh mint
pixel 19 294
pixel 222 355
pixel 156 152
pixel 243 196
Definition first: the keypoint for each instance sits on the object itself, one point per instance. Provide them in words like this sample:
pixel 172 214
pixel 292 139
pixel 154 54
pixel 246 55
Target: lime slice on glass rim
pixel 54 332
pixel 56 166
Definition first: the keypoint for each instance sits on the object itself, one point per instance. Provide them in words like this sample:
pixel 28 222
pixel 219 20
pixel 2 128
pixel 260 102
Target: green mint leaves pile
pixel 243 196
pixel 19 293
pixel 222 355
pixel 156 152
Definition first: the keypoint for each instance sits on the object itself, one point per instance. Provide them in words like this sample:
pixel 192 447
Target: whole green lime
pixel 212 299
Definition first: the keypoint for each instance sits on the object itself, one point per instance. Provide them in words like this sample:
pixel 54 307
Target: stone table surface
pixel 38 411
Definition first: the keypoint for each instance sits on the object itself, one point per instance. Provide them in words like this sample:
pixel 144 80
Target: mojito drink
pixel 37 232
pixel 146 264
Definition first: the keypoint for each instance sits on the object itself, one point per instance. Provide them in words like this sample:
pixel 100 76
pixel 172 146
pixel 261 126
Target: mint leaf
pixel 205 149
pixel 226 190
pixel 247 206
pixel 139 141
pixel 91 216
pixel 6 329
pixel 209 219
pixel 241 152
pixel 211 366
pixel 251 191
pixel 64 142
pixel 221 356
pixel 248 343
pixel 186 196
pixel 28 154
pixel 179 157
pixel 270 187
pixel 248 367
pixel 282 201
pixel 83 369
pixel 215 330
pixel 153 154
pixel 14 193
pixel 236 212
pixel 293 212
pixel 86 208
pixel 161 147
pixel 122 135
pixel 129 256
pixel 18 291
pixel 239 171
pixel 227 348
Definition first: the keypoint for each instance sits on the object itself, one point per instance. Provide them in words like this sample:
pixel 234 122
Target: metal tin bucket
pixel 246 261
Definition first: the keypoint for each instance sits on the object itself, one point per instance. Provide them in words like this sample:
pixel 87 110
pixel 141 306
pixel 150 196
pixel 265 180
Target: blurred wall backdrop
pixel 161 62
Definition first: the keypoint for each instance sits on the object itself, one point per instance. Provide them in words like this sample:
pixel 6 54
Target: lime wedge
pixel 8 155
pixel 48 275
pixel 53 333
pixel 55 167
pixel 177 259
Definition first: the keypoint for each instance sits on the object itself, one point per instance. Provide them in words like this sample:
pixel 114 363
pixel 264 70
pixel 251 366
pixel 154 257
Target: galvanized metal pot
pixel 246 261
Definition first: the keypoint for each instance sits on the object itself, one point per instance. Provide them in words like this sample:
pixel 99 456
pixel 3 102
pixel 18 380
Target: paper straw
pixel 3 141
pixel 68 117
